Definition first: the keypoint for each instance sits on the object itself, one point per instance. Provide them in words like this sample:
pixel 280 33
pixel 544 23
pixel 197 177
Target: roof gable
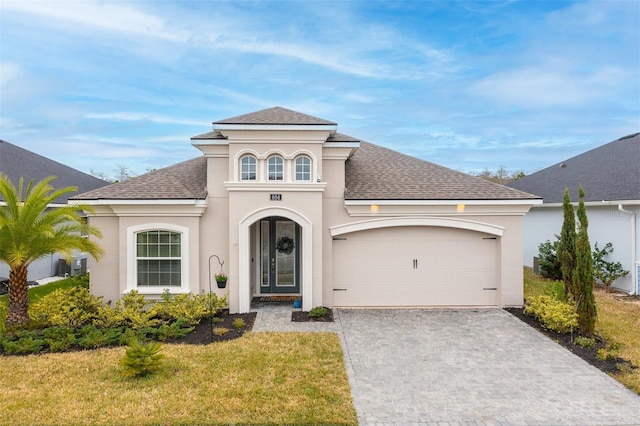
pixel 377 173
pixel 276 116
pixel 610 172
pixel 16 162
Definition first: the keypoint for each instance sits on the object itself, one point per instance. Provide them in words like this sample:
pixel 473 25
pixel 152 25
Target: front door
pixel 280 256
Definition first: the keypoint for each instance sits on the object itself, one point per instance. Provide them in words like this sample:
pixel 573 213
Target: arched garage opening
pixel 399 262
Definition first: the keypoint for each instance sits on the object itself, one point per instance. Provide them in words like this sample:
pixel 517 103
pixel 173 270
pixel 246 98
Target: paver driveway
pixel 470 366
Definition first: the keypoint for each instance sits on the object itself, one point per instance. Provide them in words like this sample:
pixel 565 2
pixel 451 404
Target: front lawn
pixel 261 378
pixel 618 322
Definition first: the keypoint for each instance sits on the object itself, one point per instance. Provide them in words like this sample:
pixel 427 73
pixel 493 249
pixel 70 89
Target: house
pixel 16 162
pixel 610 176
pixel 293 207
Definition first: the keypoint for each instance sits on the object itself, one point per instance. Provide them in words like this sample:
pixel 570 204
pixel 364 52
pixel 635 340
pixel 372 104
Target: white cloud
pixel 135 116
pixel 548 86
pixel 98 15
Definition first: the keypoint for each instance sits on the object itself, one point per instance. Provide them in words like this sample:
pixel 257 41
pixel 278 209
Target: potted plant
pixel 221 279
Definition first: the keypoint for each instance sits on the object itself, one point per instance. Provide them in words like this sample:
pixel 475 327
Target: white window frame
pixel 132 259
pixel 248 171
pixel 310 168
pixel 278 168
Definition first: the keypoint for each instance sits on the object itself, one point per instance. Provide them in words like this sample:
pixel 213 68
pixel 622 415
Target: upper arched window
pixel 248 167
pixel 303 168
pixel 276 168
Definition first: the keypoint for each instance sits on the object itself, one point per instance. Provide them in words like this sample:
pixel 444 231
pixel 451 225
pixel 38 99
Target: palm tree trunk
pixel 18 297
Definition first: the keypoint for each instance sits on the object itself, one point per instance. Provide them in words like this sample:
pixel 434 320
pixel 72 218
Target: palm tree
pixel 30 229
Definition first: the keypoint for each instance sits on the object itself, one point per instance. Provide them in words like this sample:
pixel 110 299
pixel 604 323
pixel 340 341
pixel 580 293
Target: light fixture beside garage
pixel 460 208
pixel 374 208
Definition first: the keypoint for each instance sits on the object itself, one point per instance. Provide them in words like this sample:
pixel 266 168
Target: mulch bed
pixel 203 333
pixel 302 316
pixel 611 366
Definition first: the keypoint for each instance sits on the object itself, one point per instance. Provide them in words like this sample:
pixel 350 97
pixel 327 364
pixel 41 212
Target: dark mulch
pixel 203 333
pixel 302 316
pixel 588 354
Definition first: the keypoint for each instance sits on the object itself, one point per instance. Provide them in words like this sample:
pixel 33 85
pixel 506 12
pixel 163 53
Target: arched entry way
pixel 278 270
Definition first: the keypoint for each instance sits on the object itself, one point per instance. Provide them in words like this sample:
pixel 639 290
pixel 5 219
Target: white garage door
pixel 415 266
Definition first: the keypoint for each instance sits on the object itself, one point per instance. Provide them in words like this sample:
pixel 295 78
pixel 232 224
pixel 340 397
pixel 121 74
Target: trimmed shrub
pixel 318 312
pixel 550 266
pixel 72 307
pixel 552 313
pixel 130 311
pixel 238 323
pixel 188 307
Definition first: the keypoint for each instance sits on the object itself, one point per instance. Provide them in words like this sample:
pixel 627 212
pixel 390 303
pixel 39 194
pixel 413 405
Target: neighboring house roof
pixel 182 181
pixel 275 116
pixel 377 173
pixel 16 162
pixel 610 172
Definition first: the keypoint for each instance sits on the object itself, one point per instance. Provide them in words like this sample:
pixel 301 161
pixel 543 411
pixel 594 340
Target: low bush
pixel 552 313
pixel 71 307
pixel 220 331
pixel 585 342
pixel 141 359
pixel 23 345
pixel 188 307
pixel 318 312
pixel 238 323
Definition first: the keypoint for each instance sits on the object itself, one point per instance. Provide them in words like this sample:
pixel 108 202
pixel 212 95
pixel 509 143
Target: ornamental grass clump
pixel 141 359
pixel 554 314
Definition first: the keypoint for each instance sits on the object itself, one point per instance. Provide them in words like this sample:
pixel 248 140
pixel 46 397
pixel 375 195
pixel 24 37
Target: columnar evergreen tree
pixel 583 278
pixel 30 229
pixel 567 247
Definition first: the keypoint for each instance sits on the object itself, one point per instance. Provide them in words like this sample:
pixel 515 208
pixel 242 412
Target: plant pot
pixel 221 284
pixel 297 304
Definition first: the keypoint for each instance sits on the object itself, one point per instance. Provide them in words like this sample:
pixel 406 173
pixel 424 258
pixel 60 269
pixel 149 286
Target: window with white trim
pixel 276 168
pixel 159 258
pixel 248 167
pixel 303 168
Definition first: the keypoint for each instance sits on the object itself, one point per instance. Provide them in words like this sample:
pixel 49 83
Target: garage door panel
pixel 454 268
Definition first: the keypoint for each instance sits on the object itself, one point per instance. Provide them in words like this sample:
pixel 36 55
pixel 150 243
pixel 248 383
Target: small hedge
pixel 73 318
pixel 554 314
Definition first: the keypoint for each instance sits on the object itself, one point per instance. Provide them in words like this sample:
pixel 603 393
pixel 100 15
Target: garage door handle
pixel 490 288
pixel 339 289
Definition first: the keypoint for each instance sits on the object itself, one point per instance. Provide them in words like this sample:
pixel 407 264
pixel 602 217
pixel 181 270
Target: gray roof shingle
pixel 275 116
pixel 610 172
pixel 16 162
pixel 186 180
pixel 377 173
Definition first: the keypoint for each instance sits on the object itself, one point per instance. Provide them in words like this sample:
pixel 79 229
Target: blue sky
pixel 469 85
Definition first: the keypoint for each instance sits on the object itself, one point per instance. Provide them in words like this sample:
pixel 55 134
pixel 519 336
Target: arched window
pixel 248 167
pixel 276 168
pixel 159 258
pixel 303 168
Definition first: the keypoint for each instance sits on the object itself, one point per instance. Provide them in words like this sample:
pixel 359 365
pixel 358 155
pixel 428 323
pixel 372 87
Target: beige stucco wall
pixel 222 224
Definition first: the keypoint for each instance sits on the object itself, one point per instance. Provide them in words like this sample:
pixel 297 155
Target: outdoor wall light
pixel 460 208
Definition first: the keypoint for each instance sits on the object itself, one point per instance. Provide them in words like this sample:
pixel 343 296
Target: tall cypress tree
pixel 583 278
pixel 567 247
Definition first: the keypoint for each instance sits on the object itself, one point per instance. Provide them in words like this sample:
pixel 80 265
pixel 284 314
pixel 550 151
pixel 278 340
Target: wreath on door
pixel 285 245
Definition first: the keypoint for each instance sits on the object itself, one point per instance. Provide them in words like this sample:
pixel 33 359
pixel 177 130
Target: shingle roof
pixel 186 180
pixel 610 172
pixel 377 173
pixel 16 162
pixel 276 115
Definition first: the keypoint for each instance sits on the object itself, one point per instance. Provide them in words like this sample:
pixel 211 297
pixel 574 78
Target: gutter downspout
pixel 634 241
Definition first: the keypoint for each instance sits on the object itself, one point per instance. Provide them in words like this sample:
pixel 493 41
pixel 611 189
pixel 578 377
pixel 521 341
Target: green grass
pixel 618 322
pixel 36 292
pixel 261 378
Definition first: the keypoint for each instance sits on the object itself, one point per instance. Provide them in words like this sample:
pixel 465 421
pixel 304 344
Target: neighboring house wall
pixel 606 224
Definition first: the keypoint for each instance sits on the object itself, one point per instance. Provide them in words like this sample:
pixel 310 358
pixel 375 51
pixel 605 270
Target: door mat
pixel 278 298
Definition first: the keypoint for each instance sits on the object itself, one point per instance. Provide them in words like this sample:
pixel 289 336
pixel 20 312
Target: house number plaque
pixel 276 197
